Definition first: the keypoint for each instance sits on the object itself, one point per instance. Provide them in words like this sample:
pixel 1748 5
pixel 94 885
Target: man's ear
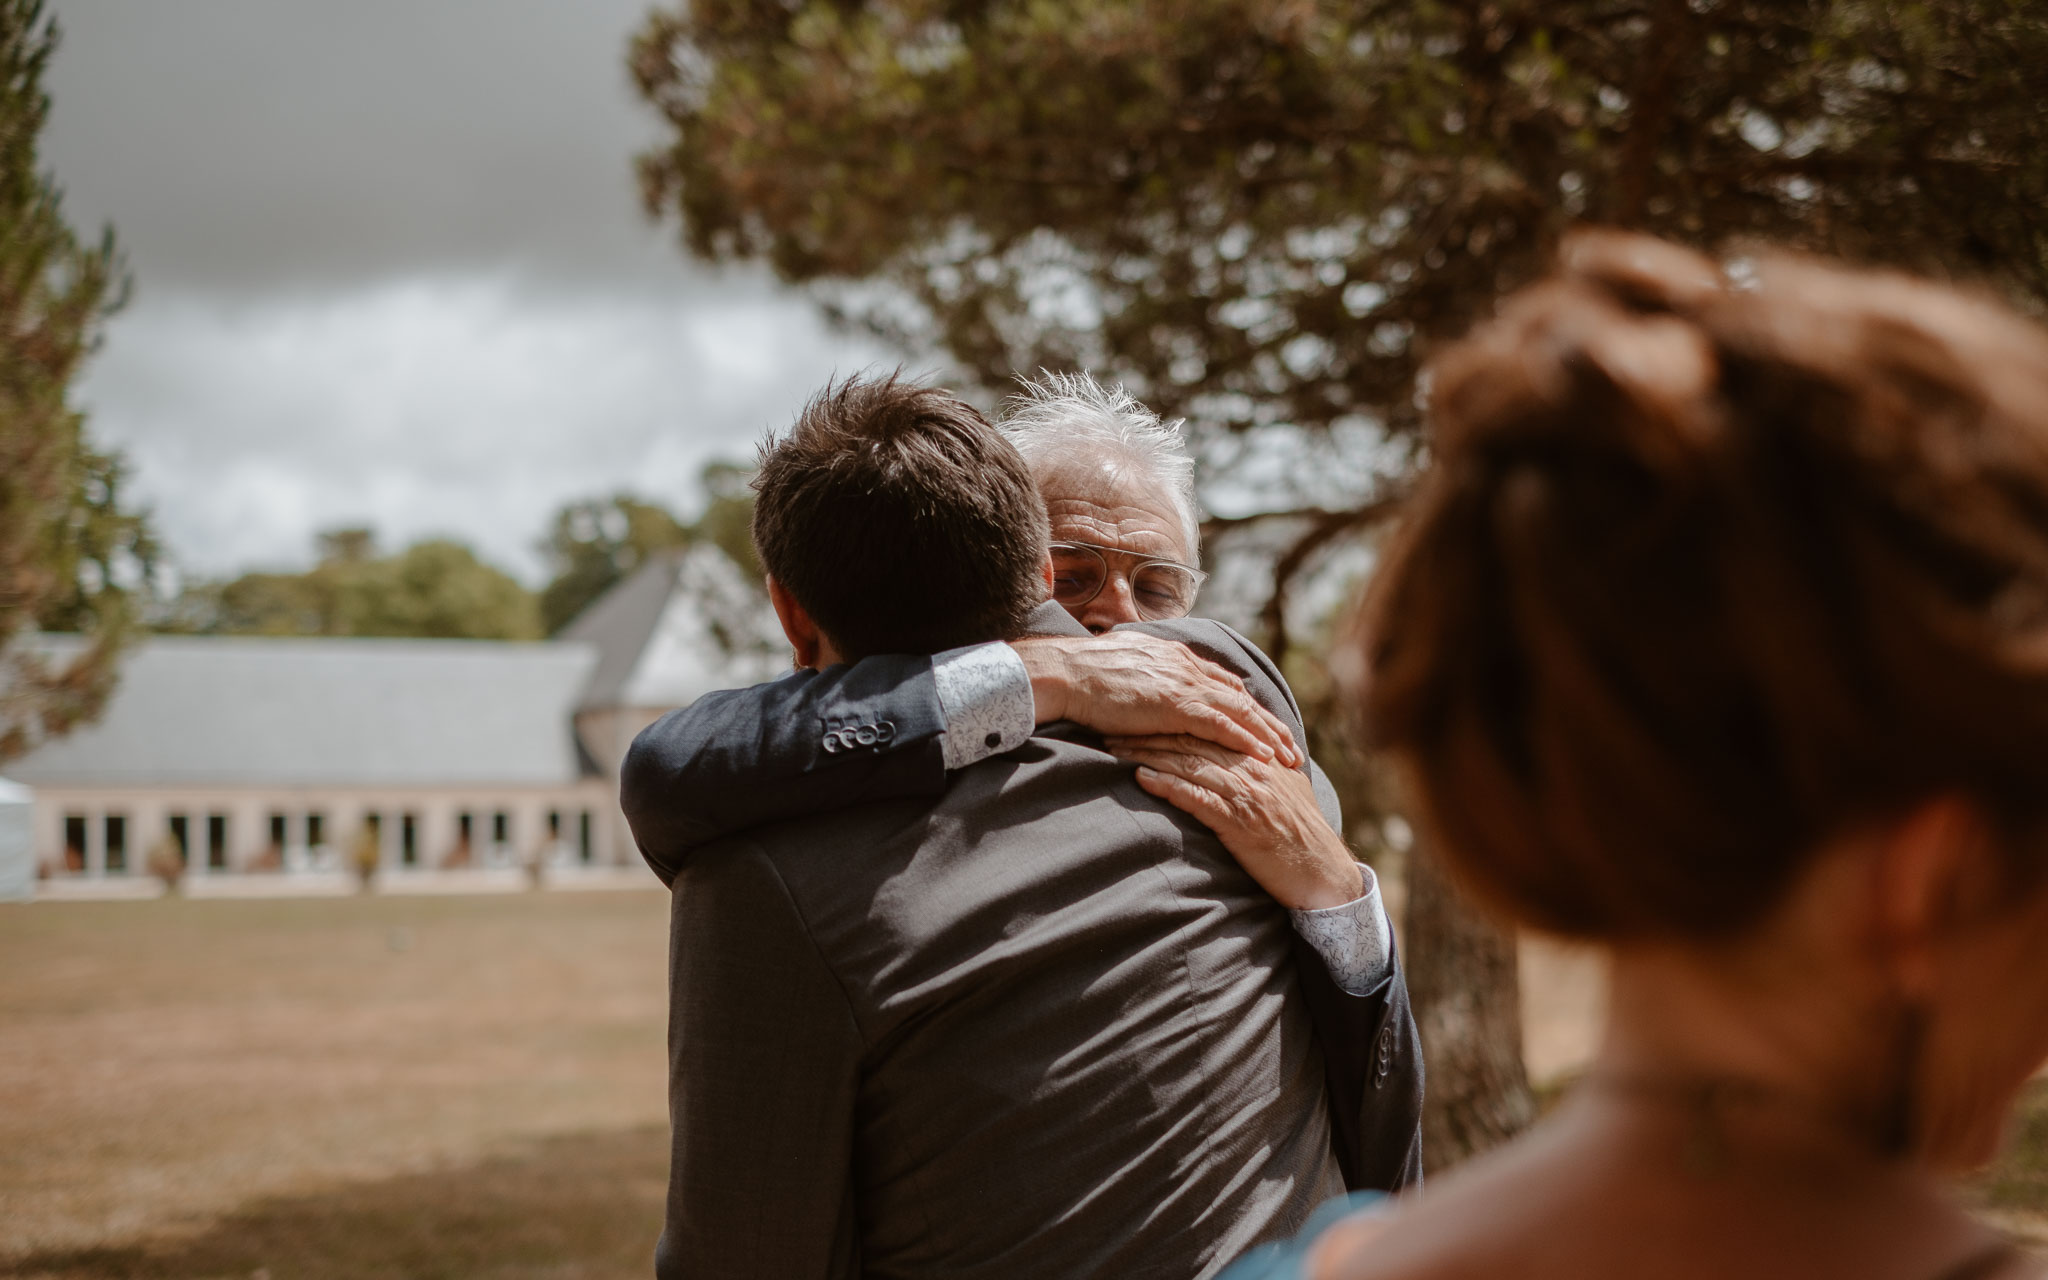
pixel 1045 572
pixel 1926 868
pixel 803 634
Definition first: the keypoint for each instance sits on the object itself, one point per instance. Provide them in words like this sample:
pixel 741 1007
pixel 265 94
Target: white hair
pixel 1055 413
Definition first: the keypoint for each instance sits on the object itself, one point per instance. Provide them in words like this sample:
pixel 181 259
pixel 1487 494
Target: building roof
pixel 262 711
pixel 658 633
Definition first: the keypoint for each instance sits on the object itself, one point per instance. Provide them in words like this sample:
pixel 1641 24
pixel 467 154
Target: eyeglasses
pixel 1161 589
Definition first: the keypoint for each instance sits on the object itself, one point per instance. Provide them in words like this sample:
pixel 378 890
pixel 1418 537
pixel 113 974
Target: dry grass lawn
pixel 356 1089
pixel 333 1088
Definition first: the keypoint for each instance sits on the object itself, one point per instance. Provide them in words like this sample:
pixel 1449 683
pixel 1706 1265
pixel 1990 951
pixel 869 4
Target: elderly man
pixel 1118 490
pixel 1039 1025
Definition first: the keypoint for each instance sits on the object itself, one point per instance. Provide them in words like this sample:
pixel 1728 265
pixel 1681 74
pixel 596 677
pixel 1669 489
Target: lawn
pixel 361 1087
pixel 387 1087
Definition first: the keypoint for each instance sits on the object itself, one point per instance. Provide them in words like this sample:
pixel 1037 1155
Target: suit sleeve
pixel 764 1059
pixel 1372 1051
pixel 729 760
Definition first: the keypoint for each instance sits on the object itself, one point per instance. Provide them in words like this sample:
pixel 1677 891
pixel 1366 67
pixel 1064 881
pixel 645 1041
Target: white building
pixel 17 850
pixel 256 754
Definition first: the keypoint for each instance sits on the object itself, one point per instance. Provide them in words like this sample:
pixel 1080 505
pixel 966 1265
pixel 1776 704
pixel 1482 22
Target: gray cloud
pixel 390 267
pixel 258 143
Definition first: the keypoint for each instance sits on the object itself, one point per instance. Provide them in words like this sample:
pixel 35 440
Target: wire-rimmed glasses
pixel 1160 589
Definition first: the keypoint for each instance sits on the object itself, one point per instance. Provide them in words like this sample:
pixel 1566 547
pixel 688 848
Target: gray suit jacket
pixel 741 760
pixel 1043 1027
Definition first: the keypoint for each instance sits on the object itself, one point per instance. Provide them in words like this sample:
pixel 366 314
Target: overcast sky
pixel 390 269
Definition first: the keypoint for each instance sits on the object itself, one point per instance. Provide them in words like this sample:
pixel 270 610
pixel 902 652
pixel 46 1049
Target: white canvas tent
pixel 17 848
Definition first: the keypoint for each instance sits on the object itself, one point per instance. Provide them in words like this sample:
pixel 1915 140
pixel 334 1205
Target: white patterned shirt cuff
pixel 1354 940
pixel 985 697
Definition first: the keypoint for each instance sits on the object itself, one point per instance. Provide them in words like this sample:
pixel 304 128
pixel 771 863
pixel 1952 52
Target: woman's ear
pixel 1927 864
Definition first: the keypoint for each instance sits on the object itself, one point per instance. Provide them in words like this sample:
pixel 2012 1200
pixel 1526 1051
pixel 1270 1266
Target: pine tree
pixel 71 552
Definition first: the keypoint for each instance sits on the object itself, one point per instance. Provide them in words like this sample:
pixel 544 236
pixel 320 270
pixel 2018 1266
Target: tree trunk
pixel 1467 996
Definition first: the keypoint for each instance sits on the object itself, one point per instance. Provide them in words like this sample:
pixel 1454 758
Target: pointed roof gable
pixel 681 625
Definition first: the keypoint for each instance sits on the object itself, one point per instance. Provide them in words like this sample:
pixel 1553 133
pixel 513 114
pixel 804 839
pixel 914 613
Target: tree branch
pixel 1672 36
pixel 1324 526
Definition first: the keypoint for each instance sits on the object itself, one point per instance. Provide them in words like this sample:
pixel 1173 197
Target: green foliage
pixel 596 542
pixel 435 588
pixel 1260 212
pixel 440 588
pixel 71 553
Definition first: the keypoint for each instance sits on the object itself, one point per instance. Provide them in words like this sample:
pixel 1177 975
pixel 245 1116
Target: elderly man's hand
pixel 1264 812
pixel 1128 682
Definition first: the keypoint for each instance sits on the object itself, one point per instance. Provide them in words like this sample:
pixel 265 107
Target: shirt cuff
pixel 985 699
pixel 1355 940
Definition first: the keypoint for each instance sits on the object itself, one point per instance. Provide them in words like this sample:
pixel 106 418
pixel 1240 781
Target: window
pixel 117 842
pixel 277 829
pixel 409 839
pixel 583 846
pixel 74 842
pixel 217 841
pixel 465 826
pixel 181 834
pixel 316 830
pixel 554 824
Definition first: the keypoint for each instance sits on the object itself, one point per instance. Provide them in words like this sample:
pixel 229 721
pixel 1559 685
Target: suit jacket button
pixel 865 735
pixel 994 740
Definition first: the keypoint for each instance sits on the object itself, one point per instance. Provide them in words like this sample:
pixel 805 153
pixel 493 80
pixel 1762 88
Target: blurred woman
pixel 1719 635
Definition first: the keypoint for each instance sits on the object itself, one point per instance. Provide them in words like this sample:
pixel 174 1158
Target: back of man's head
pixel 900 520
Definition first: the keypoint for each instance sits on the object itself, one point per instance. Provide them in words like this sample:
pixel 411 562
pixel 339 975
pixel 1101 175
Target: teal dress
pixel 1288 1260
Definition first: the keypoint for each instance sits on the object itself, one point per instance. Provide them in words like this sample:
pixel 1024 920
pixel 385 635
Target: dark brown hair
pixel 900 520
pixel 1705 573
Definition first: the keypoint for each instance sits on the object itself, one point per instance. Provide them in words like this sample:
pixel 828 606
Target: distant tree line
pixel 439 587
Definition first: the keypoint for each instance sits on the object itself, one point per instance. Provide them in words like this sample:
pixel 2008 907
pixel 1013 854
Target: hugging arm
pixel 890 727
pixel 742 757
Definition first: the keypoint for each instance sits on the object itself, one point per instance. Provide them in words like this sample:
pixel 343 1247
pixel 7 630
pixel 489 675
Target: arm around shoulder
pixel 808 743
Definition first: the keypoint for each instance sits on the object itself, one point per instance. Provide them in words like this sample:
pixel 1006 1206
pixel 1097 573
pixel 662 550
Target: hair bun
pixel 1641 273
pixel 1608 354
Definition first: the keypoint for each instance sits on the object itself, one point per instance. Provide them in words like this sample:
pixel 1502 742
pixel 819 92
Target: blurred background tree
pixel 72 550
pixel 596 542
pixel 435 588
pixel 440 588
pixel 1262 215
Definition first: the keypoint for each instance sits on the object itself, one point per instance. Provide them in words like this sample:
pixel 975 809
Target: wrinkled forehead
pixel 1096 497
